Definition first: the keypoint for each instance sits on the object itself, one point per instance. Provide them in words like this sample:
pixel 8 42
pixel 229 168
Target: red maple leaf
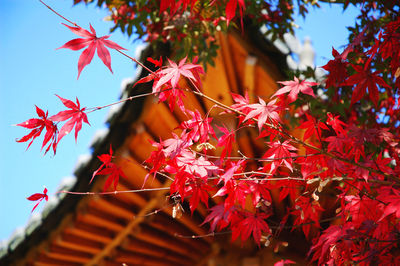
pixel 312 127
pixel 307 213
pixel 37 125
pixel 337 70
pixel 295 87
pixel 93 42
pixel 75 114
pixel 363 79
pixel 108 168
pixel 218 216
pixel 225 141
pixel 336 123
pixel 230 10
pixel 174 5
pixel 253 224
pixel 326 242
pixel 171 74
pixel 392 202
pixel 280 152
pixel 198 192
pixel 38 197
pixel 106 160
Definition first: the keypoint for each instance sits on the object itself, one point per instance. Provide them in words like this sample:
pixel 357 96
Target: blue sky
pixel 32 71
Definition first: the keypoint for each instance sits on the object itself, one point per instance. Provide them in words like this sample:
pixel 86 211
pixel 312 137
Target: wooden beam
pixel 228 63
pixel 173 227
pixel 112 207
pixel 78 244
pixel 143 259
pixel 160 121
pixel 162 239
pixel 149 249
pixel 97 218
pixel 90 232
pixel 67 255
pixel 124 232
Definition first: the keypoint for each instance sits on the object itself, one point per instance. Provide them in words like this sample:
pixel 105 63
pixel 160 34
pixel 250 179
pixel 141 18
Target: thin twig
pixel 113 192
pixel 58 14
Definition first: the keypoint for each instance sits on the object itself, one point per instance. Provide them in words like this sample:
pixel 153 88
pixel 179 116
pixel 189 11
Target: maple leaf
pixel 108 168
pixel 157 63
pixel 307 210
pixel 337 70
pixel 365 79
pixel 225 141
pixel 218 216
pixel 336 123
pixel 230 10
pixel 264 111
pixel 253 224
pixel 94 43
pixel 295 87
pixel 38 197
pixel 188 161
pixel 280 150
pixel 235 191
pixel 174 5
pixel 199 128
pixel 392 201
pixel 284 262
pixel 174 146
pixel 312 127
pixel 76 115
pixel 198 192
pixel 106 160
pixel 114 172
pixel 326 241
pixel 228 175
pixel 37 125
pixel 171 74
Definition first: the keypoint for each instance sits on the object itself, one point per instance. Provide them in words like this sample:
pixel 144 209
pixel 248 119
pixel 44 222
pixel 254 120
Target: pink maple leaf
pixel 263 111
pixel 218 216
pixel 93 42
pixel 38 197
pixel 294 87
pixel 76 115
pixel 172 73
pixel 284 262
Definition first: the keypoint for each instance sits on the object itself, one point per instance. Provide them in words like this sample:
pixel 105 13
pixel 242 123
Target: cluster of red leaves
pixel 359 163
pixel 75 116
pixel 165 80
pixel 336 152
pixel 230 10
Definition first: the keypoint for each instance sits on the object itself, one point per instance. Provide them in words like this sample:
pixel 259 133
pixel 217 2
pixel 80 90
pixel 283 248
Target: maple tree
pixel 346 144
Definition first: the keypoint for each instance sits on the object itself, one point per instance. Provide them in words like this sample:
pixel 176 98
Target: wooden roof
pixel 138 228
